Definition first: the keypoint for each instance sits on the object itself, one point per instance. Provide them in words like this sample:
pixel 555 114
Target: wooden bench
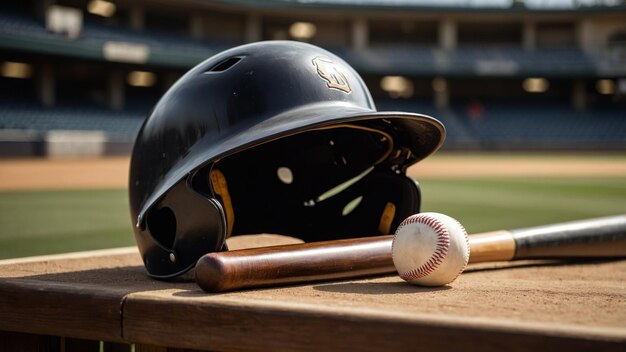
pixel 103 301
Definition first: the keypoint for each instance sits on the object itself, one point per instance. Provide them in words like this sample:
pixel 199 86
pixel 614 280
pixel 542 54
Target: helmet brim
pixel 426 135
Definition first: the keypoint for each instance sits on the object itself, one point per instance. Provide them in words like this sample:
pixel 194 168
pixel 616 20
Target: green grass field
pixel 38 222
pixel 491 204
pixel 42 222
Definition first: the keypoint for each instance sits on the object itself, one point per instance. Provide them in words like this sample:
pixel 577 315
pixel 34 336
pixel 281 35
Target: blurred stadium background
pixel 499 74
pixel 77 78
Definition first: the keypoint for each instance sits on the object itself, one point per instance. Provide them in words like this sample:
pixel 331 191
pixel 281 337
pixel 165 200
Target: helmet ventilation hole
pixel 225 65
pixel 162 226
pixel 349 208
pixel 285 175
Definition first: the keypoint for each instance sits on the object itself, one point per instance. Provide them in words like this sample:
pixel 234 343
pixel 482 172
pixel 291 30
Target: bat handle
pixel 288 264
pixel 600 237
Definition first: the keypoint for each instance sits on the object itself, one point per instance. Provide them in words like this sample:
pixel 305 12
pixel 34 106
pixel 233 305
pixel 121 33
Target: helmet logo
pixel 332 74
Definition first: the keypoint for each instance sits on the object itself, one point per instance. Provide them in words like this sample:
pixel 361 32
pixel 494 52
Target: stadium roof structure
pixel 27 34
pixel 24 33
pixel 171 51
pixel 439 5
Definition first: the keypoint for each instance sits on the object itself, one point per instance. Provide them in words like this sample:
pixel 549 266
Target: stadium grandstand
pixel 500 74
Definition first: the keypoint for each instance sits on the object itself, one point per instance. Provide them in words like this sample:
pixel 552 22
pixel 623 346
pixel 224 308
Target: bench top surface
pixel 106 295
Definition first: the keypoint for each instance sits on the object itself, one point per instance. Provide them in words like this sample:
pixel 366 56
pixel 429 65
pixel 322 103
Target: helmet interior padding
pixel 322 184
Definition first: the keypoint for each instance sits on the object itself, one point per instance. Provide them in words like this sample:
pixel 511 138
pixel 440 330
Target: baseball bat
pixel 348 258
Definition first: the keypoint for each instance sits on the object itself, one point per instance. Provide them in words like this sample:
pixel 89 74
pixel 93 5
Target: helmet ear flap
pixel 182 227
pixel 161 223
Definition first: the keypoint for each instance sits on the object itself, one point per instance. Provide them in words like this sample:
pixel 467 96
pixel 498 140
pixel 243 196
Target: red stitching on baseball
pixel 443 243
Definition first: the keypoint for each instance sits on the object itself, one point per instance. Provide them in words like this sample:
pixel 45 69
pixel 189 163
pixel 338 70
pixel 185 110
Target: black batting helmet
pixel 271 137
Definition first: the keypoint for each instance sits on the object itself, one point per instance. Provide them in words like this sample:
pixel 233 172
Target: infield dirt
pixel 103 173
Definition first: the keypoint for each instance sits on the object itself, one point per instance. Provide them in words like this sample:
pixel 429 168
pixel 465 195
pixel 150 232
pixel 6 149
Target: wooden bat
pixel 316 261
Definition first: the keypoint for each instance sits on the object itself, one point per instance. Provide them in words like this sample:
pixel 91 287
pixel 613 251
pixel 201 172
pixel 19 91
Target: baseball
pixel 430 249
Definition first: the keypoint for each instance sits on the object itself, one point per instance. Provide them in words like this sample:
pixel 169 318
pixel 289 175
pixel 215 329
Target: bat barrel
pixel 288 264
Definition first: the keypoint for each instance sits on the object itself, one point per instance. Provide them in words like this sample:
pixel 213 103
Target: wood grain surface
pixel 528 305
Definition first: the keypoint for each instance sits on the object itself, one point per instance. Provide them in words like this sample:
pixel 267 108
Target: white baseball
pixel 430 249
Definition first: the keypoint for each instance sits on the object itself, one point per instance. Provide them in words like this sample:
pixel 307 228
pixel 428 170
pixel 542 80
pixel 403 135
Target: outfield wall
pixel 60 144
pixel 68 144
